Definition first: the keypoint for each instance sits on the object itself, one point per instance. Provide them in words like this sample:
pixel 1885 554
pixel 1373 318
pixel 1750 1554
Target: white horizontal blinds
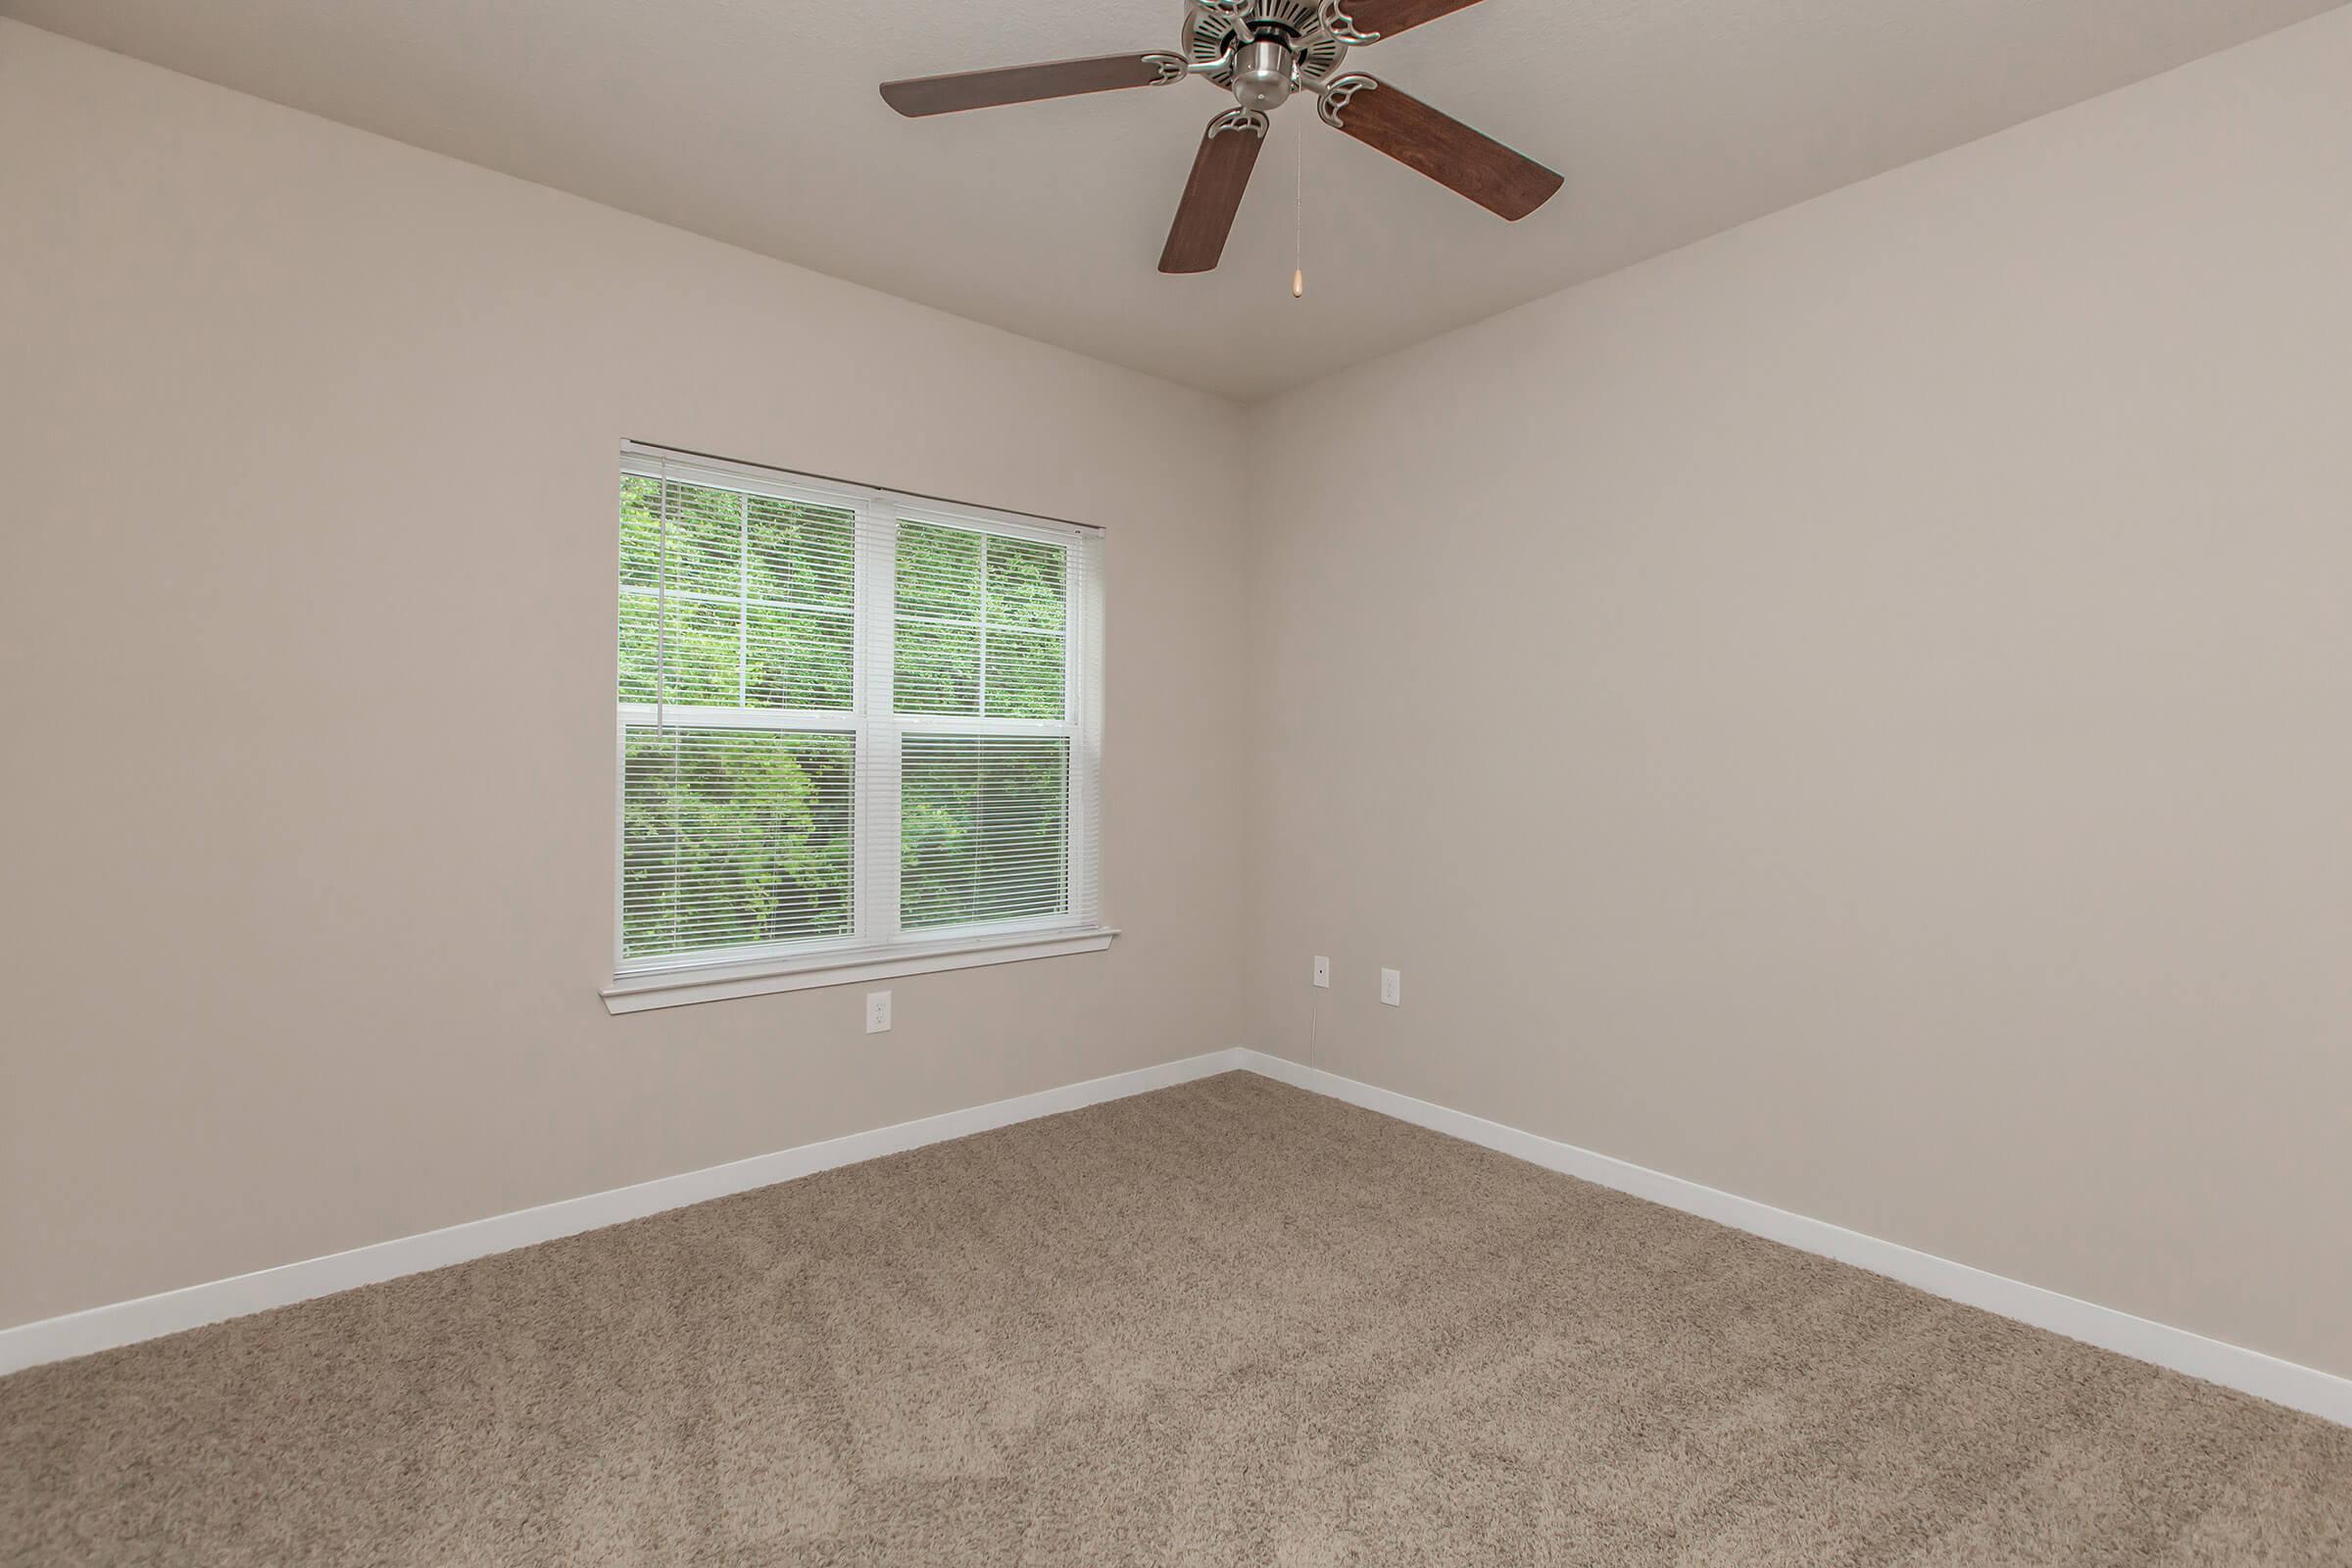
pixel 738 717
pixel 984 690
pixel 984 829
pixel 848 720
pixel 982 623
pixel 734 838
pixel 732 600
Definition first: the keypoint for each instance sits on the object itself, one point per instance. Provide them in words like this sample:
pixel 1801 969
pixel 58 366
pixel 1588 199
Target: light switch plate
pixel 877 1012
pixel 1391 987
pixel 1322 971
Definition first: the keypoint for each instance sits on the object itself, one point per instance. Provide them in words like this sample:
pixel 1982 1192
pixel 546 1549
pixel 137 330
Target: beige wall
pixel 1879 745
pixel 308 607
pixel 1858 713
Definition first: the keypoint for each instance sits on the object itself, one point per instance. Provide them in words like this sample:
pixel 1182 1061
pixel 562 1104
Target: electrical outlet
pixel 877 1012
pixel 1322 971
pixel 1391 987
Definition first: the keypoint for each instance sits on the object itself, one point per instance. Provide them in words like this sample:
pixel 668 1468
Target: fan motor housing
pixel 1296 27
pixel 1261 74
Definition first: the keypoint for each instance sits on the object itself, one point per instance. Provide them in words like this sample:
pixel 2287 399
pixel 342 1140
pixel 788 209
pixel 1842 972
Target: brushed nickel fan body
pixel 1264 75
pixel 1265 51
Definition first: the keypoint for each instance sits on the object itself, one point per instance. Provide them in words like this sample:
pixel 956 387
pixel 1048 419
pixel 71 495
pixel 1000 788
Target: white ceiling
pixel 757 122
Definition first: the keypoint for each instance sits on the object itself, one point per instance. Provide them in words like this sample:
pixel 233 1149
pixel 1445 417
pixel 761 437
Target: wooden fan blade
pixel 1389 18
pixel 1213 193
pixel 1437 145
pixel 1025 84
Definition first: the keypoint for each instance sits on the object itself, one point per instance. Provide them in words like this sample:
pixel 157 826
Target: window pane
pixel 1025 584
pixel 981 623
pixel 939 572
pixel 984 824
pixel 790 645
pixel 938 668
pixel 734 836
pixel 799 659
pixel 1024 675
pixel 702 652
pixel 801 553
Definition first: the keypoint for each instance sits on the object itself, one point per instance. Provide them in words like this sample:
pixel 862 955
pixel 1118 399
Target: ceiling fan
pixel 1262 52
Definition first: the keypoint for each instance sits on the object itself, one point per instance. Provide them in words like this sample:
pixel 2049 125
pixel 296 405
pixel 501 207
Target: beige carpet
pixel 1228 1323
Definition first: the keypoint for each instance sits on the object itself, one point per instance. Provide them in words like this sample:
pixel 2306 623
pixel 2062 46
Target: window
pixel 856 731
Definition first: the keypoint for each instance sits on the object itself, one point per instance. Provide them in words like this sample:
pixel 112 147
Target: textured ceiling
pixel 758 124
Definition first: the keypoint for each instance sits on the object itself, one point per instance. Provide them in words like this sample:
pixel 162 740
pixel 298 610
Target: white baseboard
pixel 2266 1377
pixel 102 1328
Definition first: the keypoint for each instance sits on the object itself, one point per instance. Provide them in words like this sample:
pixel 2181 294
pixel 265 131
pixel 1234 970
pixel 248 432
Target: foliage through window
pixel 848 720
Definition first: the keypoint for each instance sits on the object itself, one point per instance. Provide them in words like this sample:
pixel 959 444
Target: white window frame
pixel 879 949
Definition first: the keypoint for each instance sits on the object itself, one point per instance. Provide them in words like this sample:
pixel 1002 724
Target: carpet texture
pixel 1225 1323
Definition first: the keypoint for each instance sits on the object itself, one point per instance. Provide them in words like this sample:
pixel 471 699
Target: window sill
pixel 679 988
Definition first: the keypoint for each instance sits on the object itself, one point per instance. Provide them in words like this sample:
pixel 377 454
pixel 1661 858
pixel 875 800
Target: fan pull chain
pixel 1299 217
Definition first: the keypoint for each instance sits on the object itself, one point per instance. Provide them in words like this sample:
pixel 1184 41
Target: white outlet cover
pixel 877 1012
pixel 1391 987
pixel 1323 971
